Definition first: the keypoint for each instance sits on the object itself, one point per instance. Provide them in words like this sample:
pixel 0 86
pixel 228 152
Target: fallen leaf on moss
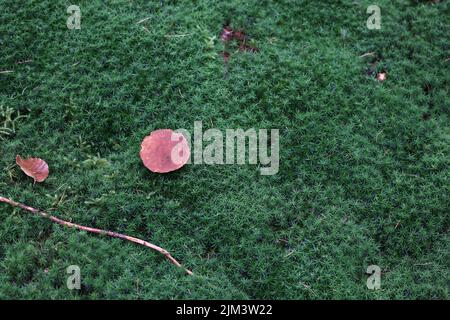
pixel 33 167
pixel 226 56
pixel 240 35
pixel 226 34
pixel 164 151
pixel 382 76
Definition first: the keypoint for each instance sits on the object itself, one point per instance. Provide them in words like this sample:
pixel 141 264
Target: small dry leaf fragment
pixel 226 56
pixel 240 35
pixel 164 151
pixel 227 34
pixel 382 76
pixel 33 167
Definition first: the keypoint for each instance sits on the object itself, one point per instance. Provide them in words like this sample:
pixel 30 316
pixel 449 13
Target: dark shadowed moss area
pixel 364 166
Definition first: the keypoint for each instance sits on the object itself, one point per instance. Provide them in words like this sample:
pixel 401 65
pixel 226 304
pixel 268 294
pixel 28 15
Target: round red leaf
pixel 164 151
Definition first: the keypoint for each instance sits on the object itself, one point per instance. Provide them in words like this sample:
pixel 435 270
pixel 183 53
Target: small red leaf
pixel 240 35
pixel 226 56
pixel 33 167
pixel 227 34
pixel 164 151
pixel 382 76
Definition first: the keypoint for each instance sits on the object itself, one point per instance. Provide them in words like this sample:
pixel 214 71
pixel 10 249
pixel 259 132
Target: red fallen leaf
pixel 240 35
pixel 382 76
pixel 227 34
pixel 164 151
pixel 33 167
pixel 226 56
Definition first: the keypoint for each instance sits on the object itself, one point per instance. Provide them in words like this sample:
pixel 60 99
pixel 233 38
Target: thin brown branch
pixel 94 230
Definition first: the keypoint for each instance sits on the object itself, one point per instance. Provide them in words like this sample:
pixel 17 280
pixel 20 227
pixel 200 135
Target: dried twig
pixel 94 230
